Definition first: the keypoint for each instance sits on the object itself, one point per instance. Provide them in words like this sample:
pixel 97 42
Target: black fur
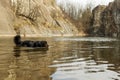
pixel 28 43
pixel 17 40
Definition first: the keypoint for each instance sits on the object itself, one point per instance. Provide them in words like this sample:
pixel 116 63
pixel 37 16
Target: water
pixel 68 58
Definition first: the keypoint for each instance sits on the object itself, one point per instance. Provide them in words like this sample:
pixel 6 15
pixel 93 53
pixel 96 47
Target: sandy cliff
pixel 34 18
pixel 6 18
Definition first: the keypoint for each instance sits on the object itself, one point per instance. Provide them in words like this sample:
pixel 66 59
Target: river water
pixel 68 58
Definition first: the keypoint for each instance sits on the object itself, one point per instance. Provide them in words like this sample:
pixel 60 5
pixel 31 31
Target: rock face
pixel 34 17
pixel 96 24
pixel 111 19
pixel 6 18
pixel 106 20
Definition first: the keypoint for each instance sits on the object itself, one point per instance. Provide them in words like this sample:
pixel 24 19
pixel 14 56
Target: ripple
pixel 91 39
pixel 69 60
pixel 84 69
pixel 103 47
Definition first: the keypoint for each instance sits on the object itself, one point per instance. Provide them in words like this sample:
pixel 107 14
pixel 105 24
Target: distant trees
pixel 71 10
pixel 82 17
pixel 85 19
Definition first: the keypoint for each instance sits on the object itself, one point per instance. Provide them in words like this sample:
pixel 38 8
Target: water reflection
pixel 26 64
pixel 17 63
pixel 97 60
pixel 17 51
pixel 84 70
pixel 74 68
pixel 66 59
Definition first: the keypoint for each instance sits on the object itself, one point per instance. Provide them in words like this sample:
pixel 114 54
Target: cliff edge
pixel 106 20
pixel 34 18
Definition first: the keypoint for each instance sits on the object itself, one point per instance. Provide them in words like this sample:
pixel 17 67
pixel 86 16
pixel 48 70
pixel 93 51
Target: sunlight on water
pixel 67 58
pixel 92 39
pixel 83 70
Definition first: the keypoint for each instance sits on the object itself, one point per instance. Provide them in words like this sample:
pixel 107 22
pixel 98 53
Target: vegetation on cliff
pixel 80 17
pixel 36 17
pixel 45 18
pixel 101 21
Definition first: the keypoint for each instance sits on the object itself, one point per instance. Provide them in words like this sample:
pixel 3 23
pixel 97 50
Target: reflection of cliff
pixel 88 60
pixel 28 66
pixel 34 17
pixel 108 20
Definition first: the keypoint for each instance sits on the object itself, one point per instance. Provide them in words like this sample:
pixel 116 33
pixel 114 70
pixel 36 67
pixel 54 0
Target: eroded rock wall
pixel 98 30
pixel 34 18
pixel 42 17
pixel 106 22
pixel 6 18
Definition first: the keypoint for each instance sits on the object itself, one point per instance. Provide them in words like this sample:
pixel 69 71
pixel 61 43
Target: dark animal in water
pixel 29 43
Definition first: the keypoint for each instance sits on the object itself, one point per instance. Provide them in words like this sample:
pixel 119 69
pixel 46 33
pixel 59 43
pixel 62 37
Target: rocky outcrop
pixel 34 18
pixel 96 22
pixel 106 20
pixel 111 19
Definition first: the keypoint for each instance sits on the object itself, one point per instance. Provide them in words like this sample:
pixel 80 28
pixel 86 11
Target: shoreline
pixel 41 35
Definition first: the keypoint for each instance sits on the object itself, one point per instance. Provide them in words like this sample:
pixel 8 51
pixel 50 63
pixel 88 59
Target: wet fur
pixel 29 43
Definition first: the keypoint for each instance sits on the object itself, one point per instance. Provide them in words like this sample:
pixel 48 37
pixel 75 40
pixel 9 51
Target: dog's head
pixel 17 40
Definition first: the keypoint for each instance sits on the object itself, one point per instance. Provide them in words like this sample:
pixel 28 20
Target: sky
pixel 83 3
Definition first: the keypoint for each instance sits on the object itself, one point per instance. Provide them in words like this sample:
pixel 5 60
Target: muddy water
pixel 67 58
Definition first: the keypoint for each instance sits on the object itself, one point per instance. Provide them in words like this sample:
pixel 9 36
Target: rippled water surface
pixel 67 58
